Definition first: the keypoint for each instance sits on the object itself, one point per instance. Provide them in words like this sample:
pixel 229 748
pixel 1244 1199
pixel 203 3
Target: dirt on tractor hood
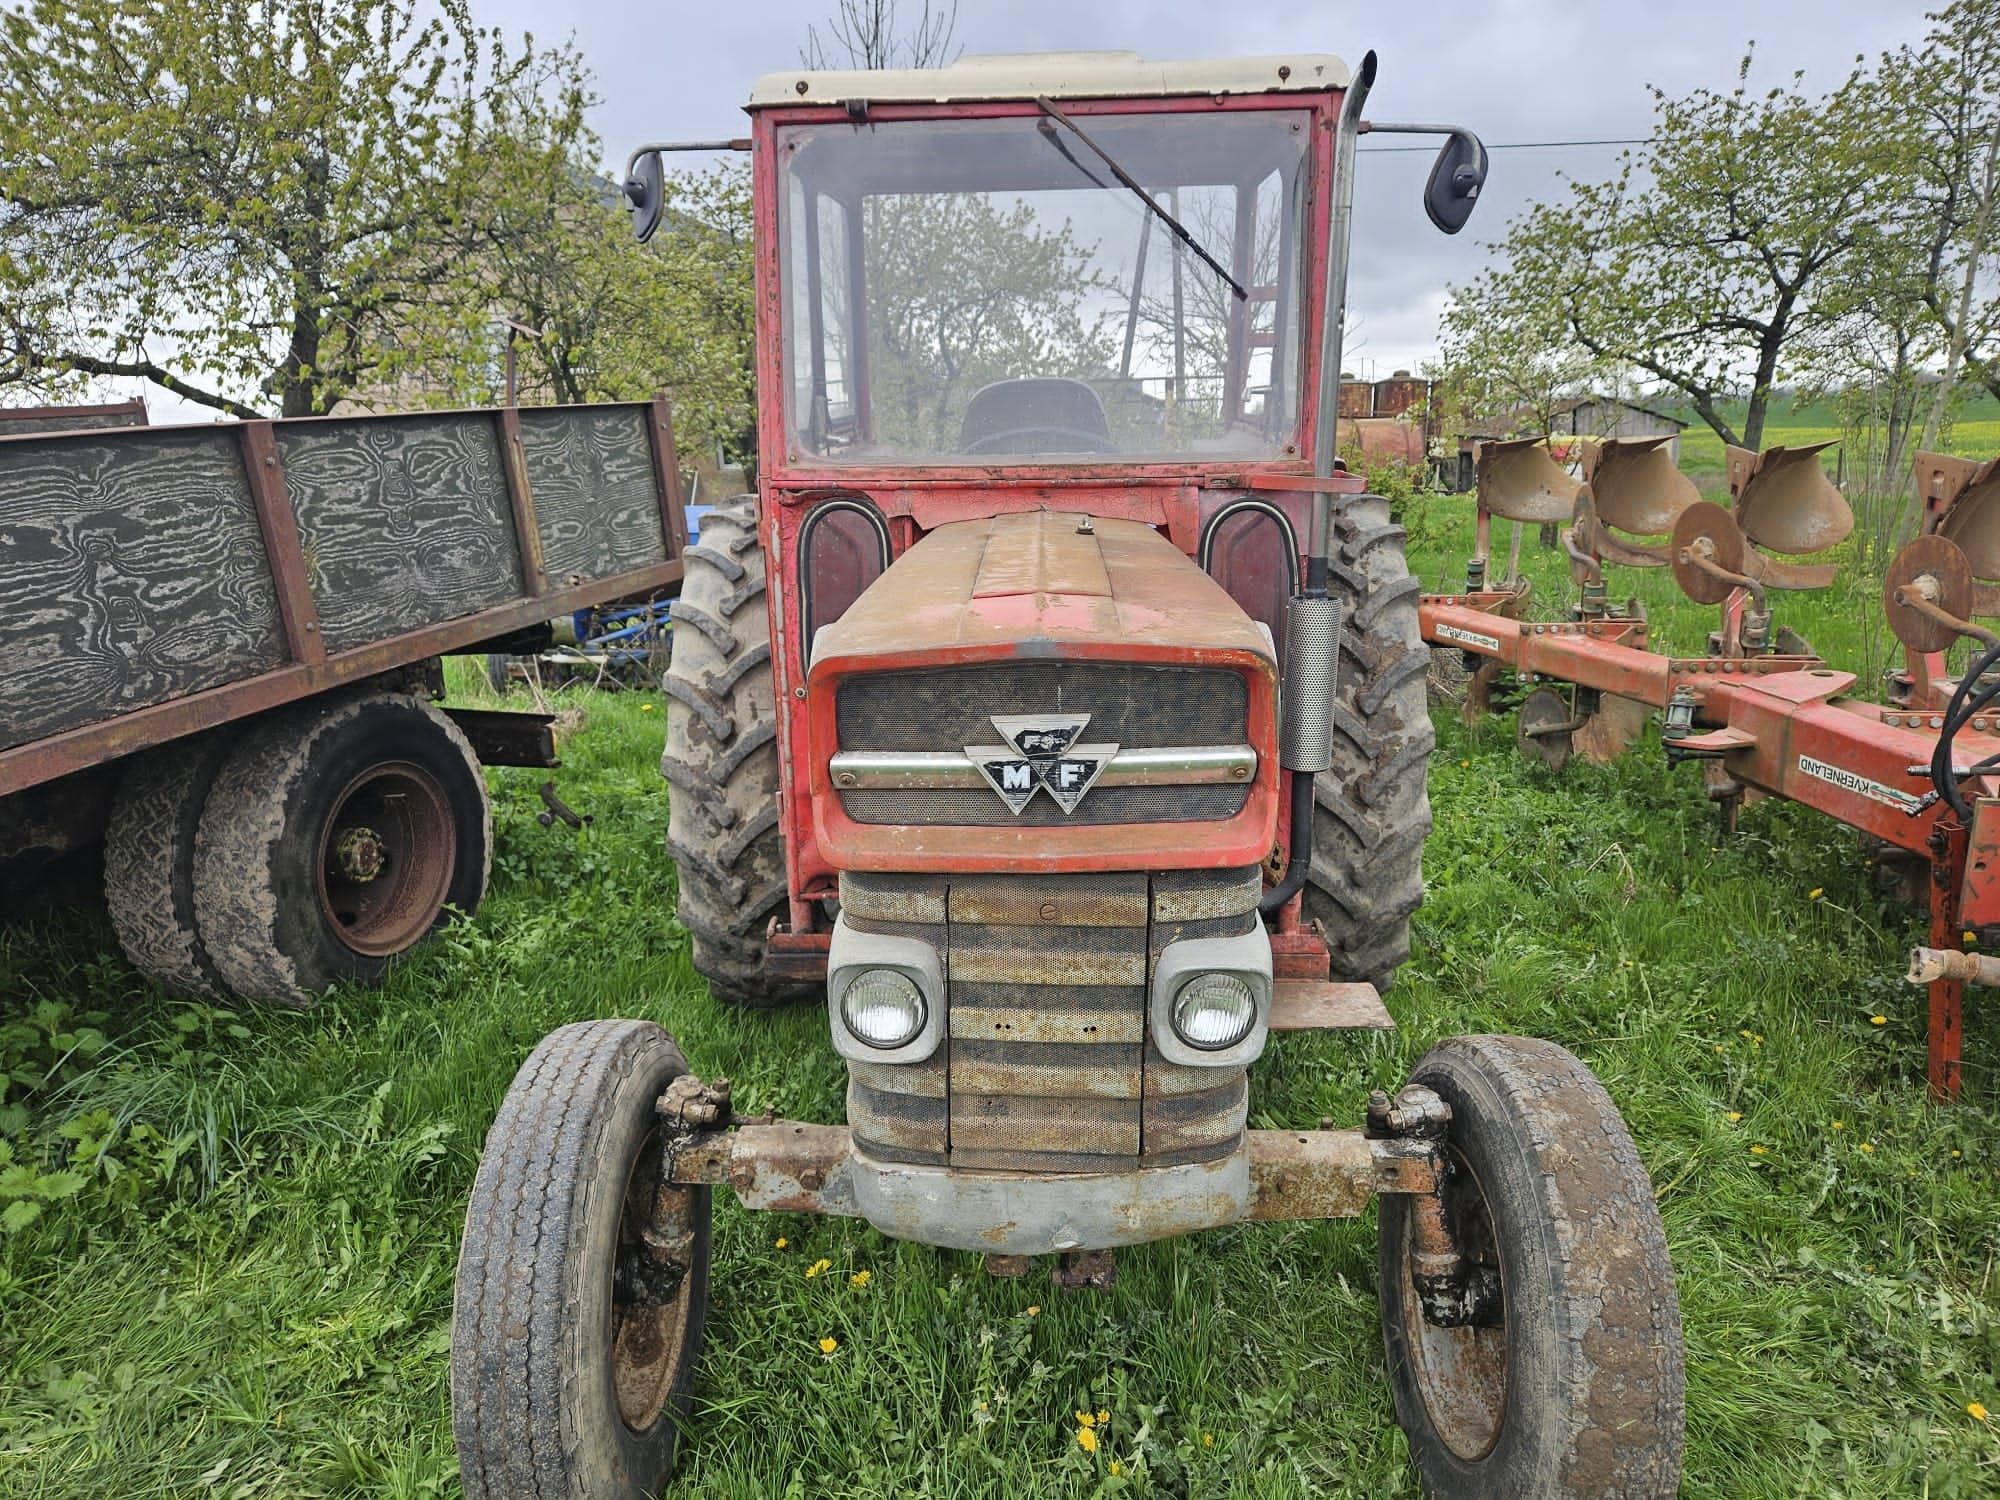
pixel 1042 581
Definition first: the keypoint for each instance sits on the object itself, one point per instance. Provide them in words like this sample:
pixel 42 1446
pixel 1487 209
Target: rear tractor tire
pixel 335 837
pixel 1372 810
pixel 1564 1380
pixel 722 760
pixel 582 1278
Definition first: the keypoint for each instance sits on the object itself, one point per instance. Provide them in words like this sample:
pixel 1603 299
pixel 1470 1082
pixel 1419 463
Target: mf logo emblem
pixel 1041 755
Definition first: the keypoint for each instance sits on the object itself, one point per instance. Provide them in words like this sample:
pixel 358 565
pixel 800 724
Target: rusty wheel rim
pixel 646 1334
pixel 1461 1373
pixel 386 855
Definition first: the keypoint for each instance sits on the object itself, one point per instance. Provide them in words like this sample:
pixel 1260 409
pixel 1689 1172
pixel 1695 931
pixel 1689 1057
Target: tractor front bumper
pixel 793 1167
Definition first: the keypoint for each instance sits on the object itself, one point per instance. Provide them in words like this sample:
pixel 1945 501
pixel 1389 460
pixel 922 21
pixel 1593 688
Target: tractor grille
pixel 1047 1064
pixel 1136 706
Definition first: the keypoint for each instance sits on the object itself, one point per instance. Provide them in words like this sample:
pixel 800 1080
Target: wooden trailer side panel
pixel 596 497
pixel 404 521
pixel 132 571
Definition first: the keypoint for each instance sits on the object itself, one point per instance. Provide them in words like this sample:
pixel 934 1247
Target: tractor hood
pixel 1041 583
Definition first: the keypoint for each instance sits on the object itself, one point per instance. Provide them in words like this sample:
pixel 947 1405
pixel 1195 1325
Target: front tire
pixel 1574 1386
pixel 572 1347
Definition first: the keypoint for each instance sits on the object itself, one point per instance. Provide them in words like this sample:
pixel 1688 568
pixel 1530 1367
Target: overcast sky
pixel 1512 70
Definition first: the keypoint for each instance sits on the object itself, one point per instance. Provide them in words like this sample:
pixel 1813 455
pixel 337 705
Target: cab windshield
pixel 987 291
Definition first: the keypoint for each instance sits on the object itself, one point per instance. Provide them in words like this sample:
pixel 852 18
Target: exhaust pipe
pixel 1312 673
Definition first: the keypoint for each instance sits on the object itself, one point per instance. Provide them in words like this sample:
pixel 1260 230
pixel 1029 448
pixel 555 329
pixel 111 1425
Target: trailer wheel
pixel 1373 808
pixel 722 759
pixel 582 1281
pixel 149 862
pixel 1571 1384
pixel 334 839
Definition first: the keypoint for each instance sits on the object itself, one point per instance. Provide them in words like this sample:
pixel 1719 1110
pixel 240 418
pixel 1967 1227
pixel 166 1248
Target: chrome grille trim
pixel 950 770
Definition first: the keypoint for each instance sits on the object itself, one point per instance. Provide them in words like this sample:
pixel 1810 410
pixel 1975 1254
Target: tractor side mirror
pixel 646 193
pixel 1456 178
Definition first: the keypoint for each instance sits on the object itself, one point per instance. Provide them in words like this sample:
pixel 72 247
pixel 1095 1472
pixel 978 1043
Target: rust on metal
pixel 1085 1271
pixel 506 737
pixel 785 1165
pixel 521 502
pixel 298 614
pixel 1331 1174
pixel 1327 1005
pixel 667 476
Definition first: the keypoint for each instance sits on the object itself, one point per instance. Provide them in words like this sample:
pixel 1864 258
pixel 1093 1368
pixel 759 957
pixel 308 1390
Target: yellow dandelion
pixel 1815 893
pixel 1086 1440
pixel 1463 764
pixel 1103 1417
pixel 1878 1020
pixel 828 1344
pixel 1733 1116
pixel 1757 1150
pixel 1840 1124
pixel 1117 1467
pixel 1954 1155
pixel 1869 1147
pixel 1208 1440
pixel 1034 1310
pixel 779 1243
pixel 816 1267
pixel 1718 1046
pixel 1745 1033
pixel 1085 1419
pixel 859 1278
pixel 645 708
pixel 1975 1411
pixel 1969 938
pixel 982 1406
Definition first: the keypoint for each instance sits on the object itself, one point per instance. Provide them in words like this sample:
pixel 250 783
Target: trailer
pixel 220 649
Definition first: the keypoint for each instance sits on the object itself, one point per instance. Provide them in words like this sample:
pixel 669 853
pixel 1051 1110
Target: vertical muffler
pixel 1311 676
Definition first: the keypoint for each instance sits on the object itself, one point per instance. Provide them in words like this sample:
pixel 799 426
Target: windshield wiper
pixel 1132 184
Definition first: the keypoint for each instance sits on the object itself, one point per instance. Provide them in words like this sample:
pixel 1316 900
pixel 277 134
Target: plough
pixel 1760 711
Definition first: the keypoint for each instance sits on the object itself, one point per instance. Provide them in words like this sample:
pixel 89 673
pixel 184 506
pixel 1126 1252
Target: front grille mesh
pixel 1047 1064
pixel 1130 705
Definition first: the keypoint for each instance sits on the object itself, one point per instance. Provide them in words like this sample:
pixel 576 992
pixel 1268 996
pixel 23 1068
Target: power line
pixel 1516 145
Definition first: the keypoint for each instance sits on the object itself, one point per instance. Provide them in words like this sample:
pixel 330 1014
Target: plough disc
pixel 1612 730
pixel 1538 728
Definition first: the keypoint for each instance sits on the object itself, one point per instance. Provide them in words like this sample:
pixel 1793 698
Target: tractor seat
pixel 1038 414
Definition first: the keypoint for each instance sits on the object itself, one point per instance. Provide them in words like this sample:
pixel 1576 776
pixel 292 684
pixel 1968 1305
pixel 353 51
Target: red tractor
pixel 978 726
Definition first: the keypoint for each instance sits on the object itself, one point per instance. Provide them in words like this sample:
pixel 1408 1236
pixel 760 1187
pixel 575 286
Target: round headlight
pixel 1214 1011
pixel 883 1008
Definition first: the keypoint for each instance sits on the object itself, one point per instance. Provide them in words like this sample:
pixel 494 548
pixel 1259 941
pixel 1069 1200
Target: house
pixel 1610 416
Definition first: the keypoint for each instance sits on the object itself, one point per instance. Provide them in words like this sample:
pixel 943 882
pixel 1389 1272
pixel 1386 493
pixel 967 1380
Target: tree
pixel 252 201
pixel 617 320
pixel 1696 265
pixel 964 289
pixel 1945 101
pixel 869 34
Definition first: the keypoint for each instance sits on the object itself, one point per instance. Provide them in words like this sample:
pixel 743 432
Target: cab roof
pixel 1055 75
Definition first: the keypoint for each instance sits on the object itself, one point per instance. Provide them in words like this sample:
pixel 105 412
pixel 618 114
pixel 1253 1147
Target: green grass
pixel 238 1281
pixel 1974 432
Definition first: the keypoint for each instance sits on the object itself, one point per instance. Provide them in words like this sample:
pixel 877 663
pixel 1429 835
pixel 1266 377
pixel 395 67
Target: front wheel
pixel 1569 1383
pixel 582 1278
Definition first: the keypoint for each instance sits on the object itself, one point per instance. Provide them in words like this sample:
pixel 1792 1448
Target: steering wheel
pixel 1077 440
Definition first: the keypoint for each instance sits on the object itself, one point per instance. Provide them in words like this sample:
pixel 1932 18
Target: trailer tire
pixel 722 760
pixel 1372 811
pixel 149 850
pixel 336 837
pixel 547 1309
pixel 1574 1385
